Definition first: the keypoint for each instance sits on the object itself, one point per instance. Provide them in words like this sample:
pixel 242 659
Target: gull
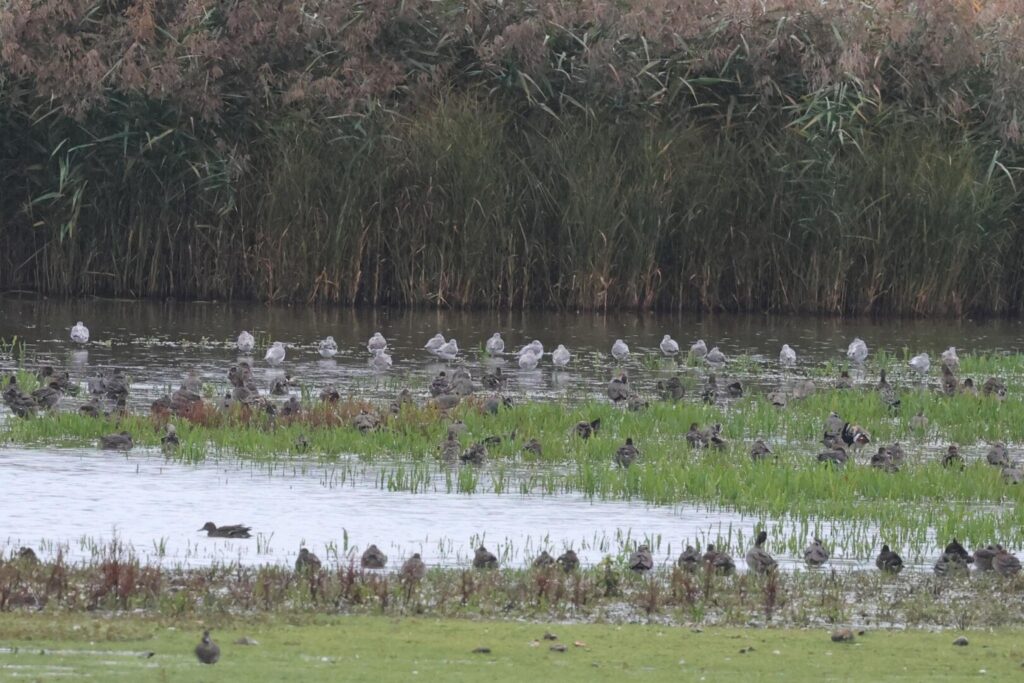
pixel 80 333
pixel 246 342
pixel 328 348
pixel 619 350
pixel 528 360
pixel 857 351
pixel 715 356
pixel 921 362
pixel 534 347
pixel 434 343
pixel 381 360
pixel 448 350
pixel 787 356
pixel 950 359
pixel 699 349
pixel 275 354
pixel 495 345
pixel 560 356
pixel 669 346
pixel 377 343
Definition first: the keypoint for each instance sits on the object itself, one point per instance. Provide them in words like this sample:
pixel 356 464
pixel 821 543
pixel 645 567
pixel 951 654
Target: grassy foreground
pixel 380 649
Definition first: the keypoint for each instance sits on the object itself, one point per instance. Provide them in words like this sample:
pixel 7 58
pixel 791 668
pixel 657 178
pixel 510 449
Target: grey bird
pixel 815 554
pixel 758 559
pixel 117 442
pixel 226 531
pixel 207 651
pixel 641 559
pixel 689 560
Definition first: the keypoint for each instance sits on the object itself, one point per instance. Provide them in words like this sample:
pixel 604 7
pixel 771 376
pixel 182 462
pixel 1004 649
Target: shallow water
pixel 78 498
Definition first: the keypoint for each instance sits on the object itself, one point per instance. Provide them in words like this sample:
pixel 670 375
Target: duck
pixel 484 559
pixel 889 561
pixel 27 555
pixel 280 385
pixel 671 389
pixel 170 438
pixel 494 380
pixel 948 381
pixel 561 356
pixel 207 651
pixel 857 351
pixel 718 561
pixel 669 346
pixel 695 437
pixel 844 381
pixel 476 454
pixel 689 560
pixel 366 421
pixel 758 559
pixel 292 407
pixel 1012 475
pixel 48 375
pixel 451 449
pixel 48 396
pixel 698 349
pixel 1005 563
pixel 434 343
pixel 306 561
pixel 462 382
pixel 834 427
pixel 998 456
pixel 787 356
pixel 446 402
pixel 952 457
pixel 954 560
pixel 20 403
pixel 815 554
pixel 414 569
pixel 641 559
pixel 377 342
pixel 245 342
pixel 967 387
pixel 620 350
pixel 734 389
pixel 80 333
pixel 275 354
pixel 328 348
pixel 715 356
pixel 91 408
pixel 920 363
pixel 709 393
pixel 544 560
pixel 835 456
pixel 528 361
pixel 883 460
pixel 449 350
pixel 919 423
pixel 585 430
pixel 495 345
pixel 887 393
pixel 495 403
pixel 226 531
pixel 568 561
pixel 994 386
pixel 778 398
pixel 626 454
pixel 983 558
pixel 117 442
pixel 760 450
pixel 618 388
pixel 533 447
pixel 373 558
pixel 950 359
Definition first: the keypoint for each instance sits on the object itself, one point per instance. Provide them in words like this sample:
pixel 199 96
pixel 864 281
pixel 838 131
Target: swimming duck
pixel 920 363
pixel 983 558
pixel 857 351
pixel 494 380
pixel 620 351
pixel 787 356
pixel 414 569
pixel 889 561
pixel 717 561
pixel 887 393
pixel 306 561
pixel 381 360
pixel 758 559
pixel 760 450
pixel 80 333
pixel 994 386
pixel 626 454
pixel 328 348
pixel 641 559
pixel 671 389
pixel 528 360
pixel 373 558
pixel 585 430
pixel 561 356
pixel 119 442
pixel 484 559
pixel 919 423
pixel 689 560
pixel 952 458
pixel 715 356
pixel 476 454
pixel 495 345
pixel 544 560
pixel 434 343
pixel 669 346
pixel 226 531
pixel 376 343
pixel 618 388
pixel 449 350
pixel 170 438
pixel 245 342
pixel 998 456
pixel 844 381
pixel 275 354
pixel 568 561
pixel 207 651
pixel 815 554
pixel 698 349
pixel 1005 563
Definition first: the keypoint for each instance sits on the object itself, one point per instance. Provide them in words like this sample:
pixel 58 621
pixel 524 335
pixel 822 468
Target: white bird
pixel 246 342
pixel 328 348
pixel 381 360
pixel 534 347
pixel 434 343
pixel 715 356
pixel 377 343
pixel 560 356
pixel 619 350
pixel 857 351
pixel 950 359
pixel 275 354
pixel 787 356
pixel 921 362
pixel 495 345
pixel 448 350
pixel 669 346
pixel 699 349
pixel 528 360
pixel 80 333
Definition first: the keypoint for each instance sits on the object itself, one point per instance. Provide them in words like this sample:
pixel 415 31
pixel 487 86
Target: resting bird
pixel 669 346
pixel 889 561
pixel 815 554
pixel 641 560
pixel 758 559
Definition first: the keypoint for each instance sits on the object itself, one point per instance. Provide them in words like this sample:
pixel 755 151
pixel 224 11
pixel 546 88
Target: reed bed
pixel 789 155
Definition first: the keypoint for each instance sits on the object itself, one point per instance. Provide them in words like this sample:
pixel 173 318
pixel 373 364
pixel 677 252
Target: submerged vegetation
pixel 790 155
